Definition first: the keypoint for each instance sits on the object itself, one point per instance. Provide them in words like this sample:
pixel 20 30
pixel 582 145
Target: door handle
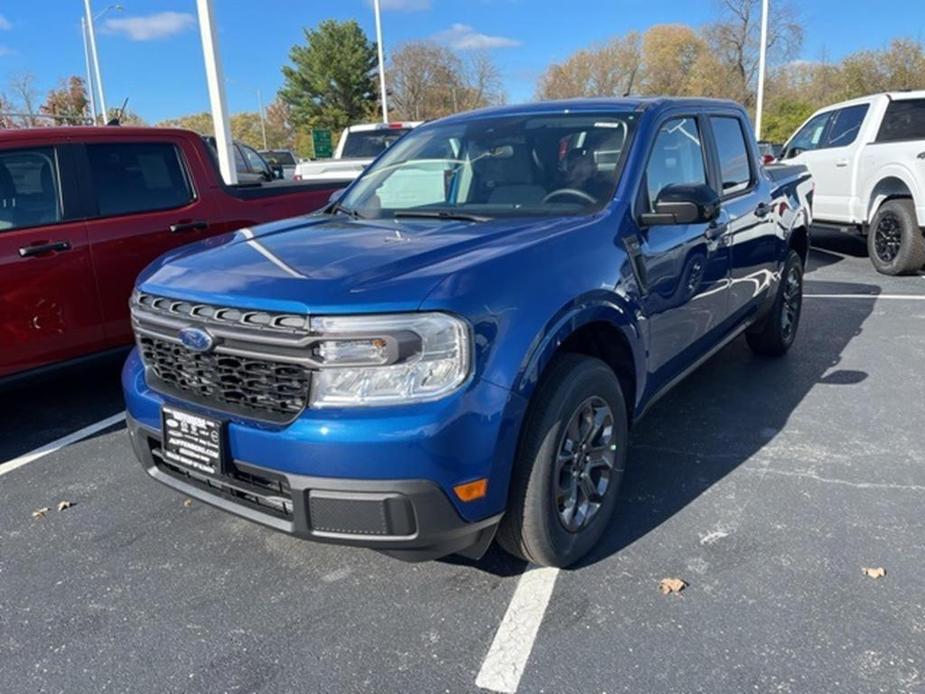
pixel 841 163
pixel 181 227
pixel 763 210
pixel 40 248
pixel 715 230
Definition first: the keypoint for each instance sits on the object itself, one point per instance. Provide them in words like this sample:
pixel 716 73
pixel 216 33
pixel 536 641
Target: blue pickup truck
pixel 455 349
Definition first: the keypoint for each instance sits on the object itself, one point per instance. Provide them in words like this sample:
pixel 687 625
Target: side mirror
pixel 277 170
pixel 683 204
pixel 794 152
pixel 336 195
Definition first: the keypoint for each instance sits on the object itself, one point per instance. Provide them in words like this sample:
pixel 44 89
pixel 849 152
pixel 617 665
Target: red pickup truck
pixel 83 210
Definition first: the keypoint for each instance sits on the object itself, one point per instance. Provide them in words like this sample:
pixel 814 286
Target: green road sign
pixel 324 148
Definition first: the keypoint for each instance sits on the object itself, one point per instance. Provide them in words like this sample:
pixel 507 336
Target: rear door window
pixel 904 120
pixel 138 177
pixel 30 192
pixel 734 162
pixel 846 124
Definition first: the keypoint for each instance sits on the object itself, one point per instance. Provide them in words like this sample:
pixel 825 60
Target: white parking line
pixel 58 444
pixel 508 654
pixel 874 297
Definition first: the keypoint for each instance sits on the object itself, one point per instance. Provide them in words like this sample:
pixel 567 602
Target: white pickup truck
pixel 358 146
pixel 867 158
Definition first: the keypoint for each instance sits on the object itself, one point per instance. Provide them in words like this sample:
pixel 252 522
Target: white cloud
pixel 463 37
pixel 150 27
pixel 5 24
pixel 403 5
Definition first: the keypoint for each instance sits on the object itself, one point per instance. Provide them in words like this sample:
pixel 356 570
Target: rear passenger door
pixel 145 203
pixel 754 246
pixel 49 309
pixel 685 268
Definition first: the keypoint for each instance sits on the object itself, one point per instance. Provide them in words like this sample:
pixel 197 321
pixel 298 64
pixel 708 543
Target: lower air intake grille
pixel 247 386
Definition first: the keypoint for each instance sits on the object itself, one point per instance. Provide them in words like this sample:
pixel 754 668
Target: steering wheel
pixel 570 191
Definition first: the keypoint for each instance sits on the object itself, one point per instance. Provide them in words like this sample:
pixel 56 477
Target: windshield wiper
pixel 442 214
pixel 340 209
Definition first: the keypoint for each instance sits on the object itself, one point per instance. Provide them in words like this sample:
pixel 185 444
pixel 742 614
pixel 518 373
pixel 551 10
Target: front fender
pixel 598 307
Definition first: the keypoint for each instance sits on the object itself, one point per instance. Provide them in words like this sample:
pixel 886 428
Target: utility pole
pixel 224 145
pixel 91 34
pixel 382 91
pixel 762 62
pixel 90 89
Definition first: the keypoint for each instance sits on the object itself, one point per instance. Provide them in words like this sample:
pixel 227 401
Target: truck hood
pixel 324 264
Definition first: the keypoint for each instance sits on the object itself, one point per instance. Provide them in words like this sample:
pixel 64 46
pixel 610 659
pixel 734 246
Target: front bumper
pixel 380 478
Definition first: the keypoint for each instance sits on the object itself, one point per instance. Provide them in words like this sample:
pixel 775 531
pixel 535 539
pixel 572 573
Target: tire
pixel 895 242
pixel 774 336
pixel 538 526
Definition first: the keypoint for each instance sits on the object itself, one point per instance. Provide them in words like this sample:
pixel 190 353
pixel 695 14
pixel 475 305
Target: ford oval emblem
pixel 197 339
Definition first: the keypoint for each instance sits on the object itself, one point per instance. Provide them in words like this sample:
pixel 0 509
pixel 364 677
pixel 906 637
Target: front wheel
pixel 569 464
pixel 774 336
pixel 895 242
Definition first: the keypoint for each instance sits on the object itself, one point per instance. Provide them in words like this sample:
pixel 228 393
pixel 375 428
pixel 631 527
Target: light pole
pixel 762 60
pixel 382 91
pixel 223 142
pixel 90 89
pixel 90 18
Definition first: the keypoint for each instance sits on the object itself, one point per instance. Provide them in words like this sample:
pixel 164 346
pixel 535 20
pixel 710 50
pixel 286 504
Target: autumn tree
pixel 609 69
pixel 67 105
pixel 427 80
pixel 197 122
pixel 331 81
pixel 279 125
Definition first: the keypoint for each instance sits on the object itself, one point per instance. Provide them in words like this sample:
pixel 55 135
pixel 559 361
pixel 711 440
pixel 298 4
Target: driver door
pixel 685 266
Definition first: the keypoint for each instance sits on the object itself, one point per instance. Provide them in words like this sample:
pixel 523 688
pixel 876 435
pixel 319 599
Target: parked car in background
pixel 283 160
pixel 251 167
pixel 770 151
pixel 458 345
pixel 358 146
pixel 867 157
pixel 83 210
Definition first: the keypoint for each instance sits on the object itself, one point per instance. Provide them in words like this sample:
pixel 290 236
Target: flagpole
pixel 762 63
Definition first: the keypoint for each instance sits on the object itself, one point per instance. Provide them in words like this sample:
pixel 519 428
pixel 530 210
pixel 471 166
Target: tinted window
pixel 735 168
pixel 29 188
pixel 904 120
pixel 239 164
pixel 810 135
pixel 846 124
pixel 280 156
pixel 138 177
pixel 254 160
pixel 367 144
pixel 676 158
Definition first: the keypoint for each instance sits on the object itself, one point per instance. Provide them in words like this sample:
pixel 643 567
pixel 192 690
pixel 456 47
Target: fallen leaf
pixel 672 585
pixel 879 572
pixel 188 503
pixel 64 505
pixel 40 512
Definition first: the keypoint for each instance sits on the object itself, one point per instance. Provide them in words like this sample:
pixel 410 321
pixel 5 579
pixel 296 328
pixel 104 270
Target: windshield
pixel 368 144
pixel 514 165
pixel 280 156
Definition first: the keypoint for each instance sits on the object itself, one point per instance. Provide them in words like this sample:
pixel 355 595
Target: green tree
pixel 331 82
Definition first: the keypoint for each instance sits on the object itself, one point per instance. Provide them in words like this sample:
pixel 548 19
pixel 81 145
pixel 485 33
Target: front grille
pixel 249 386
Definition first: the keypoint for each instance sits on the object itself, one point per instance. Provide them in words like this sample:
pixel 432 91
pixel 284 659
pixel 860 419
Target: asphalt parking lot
pixel 766 485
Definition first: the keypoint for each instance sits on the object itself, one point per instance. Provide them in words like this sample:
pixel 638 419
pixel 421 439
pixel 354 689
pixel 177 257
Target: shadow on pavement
pixel 39 410
pixel 726 412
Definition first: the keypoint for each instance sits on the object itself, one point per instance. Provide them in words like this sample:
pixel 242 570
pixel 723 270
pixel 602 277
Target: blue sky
pixel 150 50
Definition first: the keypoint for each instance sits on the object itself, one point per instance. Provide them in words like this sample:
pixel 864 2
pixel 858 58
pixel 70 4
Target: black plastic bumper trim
pixel 436 528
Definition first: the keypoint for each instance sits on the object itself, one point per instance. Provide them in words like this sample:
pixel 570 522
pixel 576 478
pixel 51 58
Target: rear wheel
pixel 774 336
pixel 895 242
pixel 569 465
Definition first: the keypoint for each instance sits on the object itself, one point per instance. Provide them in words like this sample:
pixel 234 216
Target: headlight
pixel 392 359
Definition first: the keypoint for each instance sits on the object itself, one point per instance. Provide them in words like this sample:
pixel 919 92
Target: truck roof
pixel 637 103
pixel 79 131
